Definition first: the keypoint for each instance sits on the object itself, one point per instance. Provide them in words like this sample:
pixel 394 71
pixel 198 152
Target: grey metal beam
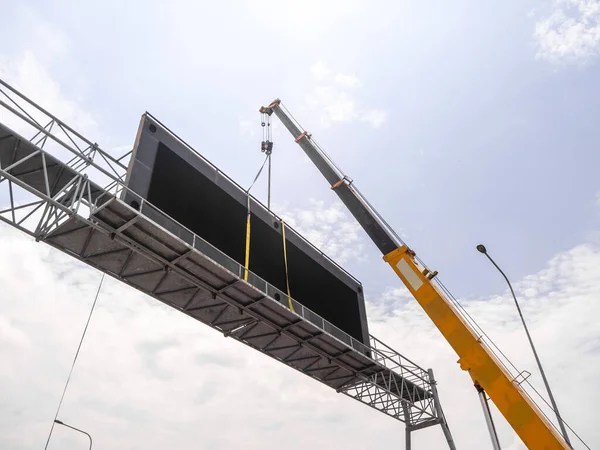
pixel 360 382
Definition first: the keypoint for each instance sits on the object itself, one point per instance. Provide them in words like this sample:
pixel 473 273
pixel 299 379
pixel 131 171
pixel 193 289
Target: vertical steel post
pixel 440 413
pixel 488 417
pixel 407 430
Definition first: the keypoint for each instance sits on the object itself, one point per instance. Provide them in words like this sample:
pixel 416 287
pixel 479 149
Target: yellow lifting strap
pixel 287 278
pixel 247 257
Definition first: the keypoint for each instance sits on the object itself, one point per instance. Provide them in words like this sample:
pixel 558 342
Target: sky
pixel 462 122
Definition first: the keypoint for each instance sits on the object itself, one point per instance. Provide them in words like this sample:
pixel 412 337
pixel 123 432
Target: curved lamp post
pixel 481 248
pixel 76 429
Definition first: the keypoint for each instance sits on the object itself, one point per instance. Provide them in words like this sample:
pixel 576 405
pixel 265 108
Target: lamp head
pixel 482 248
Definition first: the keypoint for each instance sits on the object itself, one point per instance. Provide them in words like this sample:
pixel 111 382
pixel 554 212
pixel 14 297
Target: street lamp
pixel 481 248
pixel 76 429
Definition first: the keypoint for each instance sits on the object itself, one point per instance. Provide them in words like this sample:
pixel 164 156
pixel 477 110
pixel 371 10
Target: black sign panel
pixel 178 181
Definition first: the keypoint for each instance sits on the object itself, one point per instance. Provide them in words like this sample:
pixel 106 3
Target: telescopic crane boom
pixel 486 370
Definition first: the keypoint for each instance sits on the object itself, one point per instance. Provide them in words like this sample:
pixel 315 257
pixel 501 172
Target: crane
pixel 490 377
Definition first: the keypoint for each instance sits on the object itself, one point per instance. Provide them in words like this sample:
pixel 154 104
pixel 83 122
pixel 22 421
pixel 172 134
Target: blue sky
pixel 462 122
pixel 484 138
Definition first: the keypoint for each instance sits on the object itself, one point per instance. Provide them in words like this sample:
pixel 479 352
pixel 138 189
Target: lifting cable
pixel 247 256
pixel 497 352
pixel 267 148
pixel 74 361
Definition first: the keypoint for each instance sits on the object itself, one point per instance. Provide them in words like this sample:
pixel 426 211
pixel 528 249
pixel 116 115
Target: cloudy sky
pixel 462 122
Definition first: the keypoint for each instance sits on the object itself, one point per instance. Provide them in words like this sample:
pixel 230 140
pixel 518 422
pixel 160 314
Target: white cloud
pixel 347 81
pixel 329 228
pixel 247 127
pixel 30 72
pixel 320 72
pixel 305 21
pixel 149 376
pixel 570 33
pixel 557 303
pixel 375 117
pixel 27 74
pixel 333 104
pixel 10 333
pixel 333 97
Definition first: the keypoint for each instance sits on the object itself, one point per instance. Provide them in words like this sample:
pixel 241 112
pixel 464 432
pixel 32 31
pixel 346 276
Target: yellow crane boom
pixel 486 370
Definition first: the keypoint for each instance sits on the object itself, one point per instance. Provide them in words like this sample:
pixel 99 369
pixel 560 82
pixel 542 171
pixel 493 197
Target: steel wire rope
pixel 319 148
pixel 366 202
pixel 491 341
pixel 327 157
pixel 452 298
pixel 467 316
pixel 247 252
pixel 75 360
pixel 379 216
pixel 248 216
pixel 267 147
pixel 480 330
pixel 359 195
pixel 342 175
pixel 257 175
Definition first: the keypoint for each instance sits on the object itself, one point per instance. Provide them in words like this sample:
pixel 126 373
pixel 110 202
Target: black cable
pixel 74 360
pixel 257 175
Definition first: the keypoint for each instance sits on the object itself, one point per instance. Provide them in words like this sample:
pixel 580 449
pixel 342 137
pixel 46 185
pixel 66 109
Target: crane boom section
pixel 485 369
pixel 359 209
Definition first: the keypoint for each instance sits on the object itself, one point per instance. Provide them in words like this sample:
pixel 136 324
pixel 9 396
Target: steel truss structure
pixel 76 207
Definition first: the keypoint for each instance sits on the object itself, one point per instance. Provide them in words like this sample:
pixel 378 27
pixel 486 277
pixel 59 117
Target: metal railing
pixel 94 166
